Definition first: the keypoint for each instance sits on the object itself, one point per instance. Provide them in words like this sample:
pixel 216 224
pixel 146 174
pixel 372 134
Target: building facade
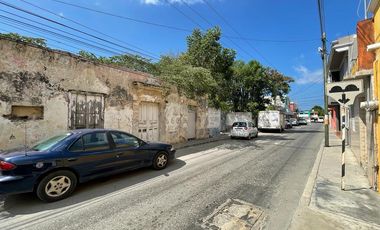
pixel 375 49
pixel 44 92
pixel 350 60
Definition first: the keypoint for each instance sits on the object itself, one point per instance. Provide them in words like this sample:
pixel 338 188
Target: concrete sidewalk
pixel 325 206
pixel 189 143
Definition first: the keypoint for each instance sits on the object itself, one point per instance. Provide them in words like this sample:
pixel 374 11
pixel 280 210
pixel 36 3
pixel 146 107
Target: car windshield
pixel 47 144
pixel 239 124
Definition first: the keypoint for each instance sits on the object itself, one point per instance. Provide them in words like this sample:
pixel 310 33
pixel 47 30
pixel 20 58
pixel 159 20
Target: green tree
pixel 251 82
pixel 278 84
pixel 134 62
pixel 204 50
pixel 34 41
pixel 193 82
pixel 318 109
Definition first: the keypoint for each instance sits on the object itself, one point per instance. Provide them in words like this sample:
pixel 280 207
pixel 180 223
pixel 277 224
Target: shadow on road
pixel 277 137
pixel 230 144
pixel 28 203
pixel 304 131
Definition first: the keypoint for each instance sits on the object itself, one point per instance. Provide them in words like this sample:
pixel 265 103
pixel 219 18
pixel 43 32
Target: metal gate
pixel 148 127
pixel 191 118
pixel 86 110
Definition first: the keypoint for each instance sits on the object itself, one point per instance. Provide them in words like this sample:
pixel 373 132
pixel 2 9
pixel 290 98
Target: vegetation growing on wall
pixel 134 62
pixel 205 69
pixel 34 41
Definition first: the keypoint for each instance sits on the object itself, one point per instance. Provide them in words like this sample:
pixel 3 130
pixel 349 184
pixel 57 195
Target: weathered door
pixel 148 127
pixel 86 110
pixel 191 118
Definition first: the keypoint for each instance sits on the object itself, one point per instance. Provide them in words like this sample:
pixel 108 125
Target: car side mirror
pixel 141 143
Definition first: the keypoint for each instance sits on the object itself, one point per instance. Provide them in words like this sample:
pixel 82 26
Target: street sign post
pixel 344 93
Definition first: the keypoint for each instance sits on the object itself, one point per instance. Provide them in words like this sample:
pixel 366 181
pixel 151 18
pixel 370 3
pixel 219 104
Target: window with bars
pixel 87 110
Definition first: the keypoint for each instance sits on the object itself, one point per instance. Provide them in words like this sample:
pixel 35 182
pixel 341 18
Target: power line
pixel 87 27
pixel 185 15
pixel 170 27
pixel 74 35
pixel 39 35
pixel 197 13
pixel 272 40
pixel 237 32
pixel 57 35
pixel 303 91
pixel 211 24
pixel 195 22
pixel 11 25
pixel 69 27
pixel 124 17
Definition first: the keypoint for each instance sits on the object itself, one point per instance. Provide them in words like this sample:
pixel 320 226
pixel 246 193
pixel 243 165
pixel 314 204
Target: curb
pixel 306 195
pixel 308 191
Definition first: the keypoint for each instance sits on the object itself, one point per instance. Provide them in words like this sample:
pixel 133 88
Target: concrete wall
pixel 33 76
pixel 214 122
pixel 237 116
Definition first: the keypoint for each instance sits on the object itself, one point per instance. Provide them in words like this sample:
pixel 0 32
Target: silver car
pixel 245 129
pixel 302 121
pixel 294 121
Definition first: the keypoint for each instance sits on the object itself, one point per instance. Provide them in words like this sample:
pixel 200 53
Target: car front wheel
pixel 160 161
pixel 56 186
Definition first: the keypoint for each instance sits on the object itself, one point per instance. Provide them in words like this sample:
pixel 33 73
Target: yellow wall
pixel 376 68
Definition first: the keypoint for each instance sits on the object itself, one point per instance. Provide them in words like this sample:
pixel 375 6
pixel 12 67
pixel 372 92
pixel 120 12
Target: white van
pixel 271 120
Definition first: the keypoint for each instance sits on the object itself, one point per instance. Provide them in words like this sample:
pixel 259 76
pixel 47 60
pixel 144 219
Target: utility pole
pixel 325 74
pixel 365 9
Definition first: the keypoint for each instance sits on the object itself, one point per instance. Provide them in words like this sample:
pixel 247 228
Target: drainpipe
pixel 371 106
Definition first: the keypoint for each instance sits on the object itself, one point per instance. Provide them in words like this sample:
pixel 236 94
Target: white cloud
pixel 156 2
pixel 306 76
pixel 150 2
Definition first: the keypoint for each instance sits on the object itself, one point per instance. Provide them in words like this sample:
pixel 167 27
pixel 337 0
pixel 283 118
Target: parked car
pixel 244 129
pixel 321 119
pixel 294 121
pixel 288 124
pixel 302 121
pixel 53 168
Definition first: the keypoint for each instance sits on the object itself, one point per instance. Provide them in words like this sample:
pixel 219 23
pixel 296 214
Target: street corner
pixel 235 214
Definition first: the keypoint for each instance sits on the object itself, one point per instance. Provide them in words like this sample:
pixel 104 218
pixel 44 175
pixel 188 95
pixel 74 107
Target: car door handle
pixel 72 159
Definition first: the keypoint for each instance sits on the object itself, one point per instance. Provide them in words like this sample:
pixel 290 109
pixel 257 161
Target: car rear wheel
pixel 160 161
pixel 56 186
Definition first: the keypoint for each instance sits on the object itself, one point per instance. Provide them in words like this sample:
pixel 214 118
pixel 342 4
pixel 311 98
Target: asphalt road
pixel 269 172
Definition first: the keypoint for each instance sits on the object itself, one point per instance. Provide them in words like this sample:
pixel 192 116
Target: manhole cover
pixel 235 214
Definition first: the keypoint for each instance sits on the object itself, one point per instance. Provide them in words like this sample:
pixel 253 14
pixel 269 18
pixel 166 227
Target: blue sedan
pixel 53 168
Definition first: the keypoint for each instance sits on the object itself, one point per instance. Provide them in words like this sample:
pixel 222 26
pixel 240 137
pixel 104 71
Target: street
pixel 269 172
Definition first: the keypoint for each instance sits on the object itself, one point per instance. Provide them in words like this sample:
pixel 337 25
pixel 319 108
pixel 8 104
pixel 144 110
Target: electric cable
pixel 89 28
pixel 66 26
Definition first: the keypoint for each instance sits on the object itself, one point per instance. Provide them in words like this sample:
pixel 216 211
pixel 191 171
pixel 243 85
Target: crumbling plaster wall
pixel 41 77
pixel 34 76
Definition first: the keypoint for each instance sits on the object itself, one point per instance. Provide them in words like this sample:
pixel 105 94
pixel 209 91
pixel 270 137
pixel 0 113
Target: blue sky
pixel 282 34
